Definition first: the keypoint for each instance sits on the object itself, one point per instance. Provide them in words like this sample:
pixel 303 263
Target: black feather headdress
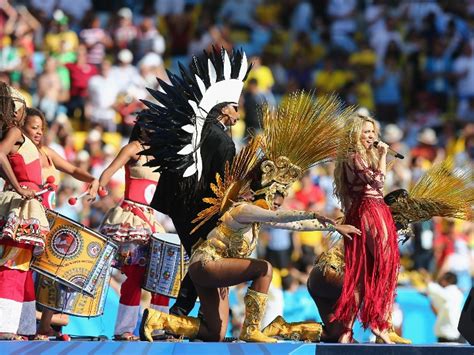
pixel 174 124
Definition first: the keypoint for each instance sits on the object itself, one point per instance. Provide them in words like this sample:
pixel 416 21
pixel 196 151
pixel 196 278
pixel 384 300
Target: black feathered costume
pixel 189 145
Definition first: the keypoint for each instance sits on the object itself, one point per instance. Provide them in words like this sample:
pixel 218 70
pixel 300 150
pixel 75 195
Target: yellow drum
pixel 53 295
pixel 74 255
pixel 167 265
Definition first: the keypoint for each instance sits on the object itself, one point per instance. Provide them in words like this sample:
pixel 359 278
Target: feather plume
pixel 235 183
pixel 306 129
pixel 442 191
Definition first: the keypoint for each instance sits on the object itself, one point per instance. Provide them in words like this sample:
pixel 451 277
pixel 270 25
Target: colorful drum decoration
pixel 74 255
pixel 131 253
pixel 167 265
pixel 53 295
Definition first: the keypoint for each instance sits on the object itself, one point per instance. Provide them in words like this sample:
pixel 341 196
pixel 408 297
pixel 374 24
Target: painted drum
pixel 60 298
pixel 74 255
pixel 167 265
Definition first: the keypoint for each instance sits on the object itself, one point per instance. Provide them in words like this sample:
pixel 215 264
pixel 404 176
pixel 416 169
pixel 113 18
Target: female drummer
pixel 23 223
pixel 51 162
pixel 131 225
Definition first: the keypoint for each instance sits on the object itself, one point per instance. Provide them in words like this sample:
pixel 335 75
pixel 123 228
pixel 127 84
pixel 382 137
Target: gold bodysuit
pixel 231 239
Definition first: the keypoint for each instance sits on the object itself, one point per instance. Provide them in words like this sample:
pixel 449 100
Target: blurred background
pixel 87 63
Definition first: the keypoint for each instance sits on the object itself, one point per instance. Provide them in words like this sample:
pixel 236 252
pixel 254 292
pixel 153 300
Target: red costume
pixel 131 224
pixel 372 259
pixel 23 226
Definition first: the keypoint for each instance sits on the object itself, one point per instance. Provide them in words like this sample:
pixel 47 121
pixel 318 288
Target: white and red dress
pixel 130 225
pixel 23 226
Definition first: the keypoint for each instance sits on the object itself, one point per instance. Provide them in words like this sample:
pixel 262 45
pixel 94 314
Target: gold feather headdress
pixel 442 191
pixel 235 183
pixel 302 132
pixel 305 130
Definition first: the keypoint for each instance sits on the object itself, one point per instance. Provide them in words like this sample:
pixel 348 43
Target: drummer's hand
pixel 26 192
pixel 93 189
pixel 346 230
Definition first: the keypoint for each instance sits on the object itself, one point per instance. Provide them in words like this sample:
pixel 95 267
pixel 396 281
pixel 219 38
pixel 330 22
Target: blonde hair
pixel 353 145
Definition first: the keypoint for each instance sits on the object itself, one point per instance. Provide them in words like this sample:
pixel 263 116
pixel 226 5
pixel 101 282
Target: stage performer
pixel 23 223
pixel 51 163
pixel 131 224
pixel 371 260
pixel 193 118
pixel 222 259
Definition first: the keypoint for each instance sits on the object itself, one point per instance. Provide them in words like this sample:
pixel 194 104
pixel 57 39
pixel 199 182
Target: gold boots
pixel 176 325
pixel 393 336
pixel 255 303
pixel 305 331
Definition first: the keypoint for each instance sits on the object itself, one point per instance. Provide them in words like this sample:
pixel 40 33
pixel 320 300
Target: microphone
pixel 391 151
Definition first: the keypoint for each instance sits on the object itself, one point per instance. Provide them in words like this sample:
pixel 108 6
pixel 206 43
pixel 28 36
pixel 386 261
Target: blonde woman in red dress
pixel 371 259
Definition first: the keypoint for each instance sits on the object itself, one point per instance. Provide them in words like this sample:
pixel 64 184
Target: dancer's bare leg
pixel 211 281
pixel 229 272
pixel 347 333
pixel 214 325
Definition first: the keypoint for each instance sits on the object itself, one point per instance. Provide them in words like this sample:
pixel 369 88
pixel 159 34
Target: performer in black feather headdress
pixel 188 140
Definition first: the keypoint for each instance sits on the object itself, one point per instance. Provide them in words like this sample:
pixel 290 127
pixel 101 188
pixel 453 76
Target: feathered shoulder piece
pixel 305 130
pixel 235 182
pixel 442 191
pixel 174 124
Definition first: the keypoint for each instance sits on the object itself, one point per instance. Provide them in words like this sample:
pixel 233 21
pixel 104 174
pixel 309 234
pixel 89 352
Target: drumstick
pixel 72 200
pixel 39 193
pixel 49 181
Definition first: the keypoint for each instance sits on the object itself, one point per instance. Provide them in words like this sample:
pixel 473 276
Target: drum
pixel 74 255
pixel 167 265
pixel 131 253
pixel 53 295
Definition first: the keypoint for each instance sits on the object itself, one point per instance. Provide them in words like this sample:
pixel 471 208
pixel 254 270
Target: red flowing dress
pixel 371 260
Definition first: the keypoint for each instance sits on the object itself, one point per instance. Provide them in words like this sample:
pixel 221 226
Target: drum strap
pixel 137 211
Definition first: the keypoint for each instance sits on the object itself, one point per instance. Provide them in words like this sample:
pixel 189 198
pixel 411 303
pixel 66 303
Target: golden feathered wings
pixel 301 132
pixel 442 191
pixel 235 183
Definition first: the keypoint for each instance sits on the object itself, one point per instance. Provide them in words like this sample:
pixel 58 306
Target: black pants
pixel 186 298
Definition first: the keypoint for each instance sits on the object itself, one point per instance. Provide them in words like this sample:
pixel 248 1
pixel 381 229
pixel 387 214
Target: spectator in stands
pixel 102 95
pixel 252 102
pixel 427 145
pixel 464 75
pixel 388 96
pixel 125 33
pixel 96 40
pixel 124 74
pixel 49 89
pixel 149 40
pixel 79 74
pixel 59 37
pixel 437 72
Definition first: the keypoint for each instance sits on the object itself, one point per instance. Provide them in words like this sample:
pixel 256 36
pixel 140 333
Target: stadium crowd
pixel 86 64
